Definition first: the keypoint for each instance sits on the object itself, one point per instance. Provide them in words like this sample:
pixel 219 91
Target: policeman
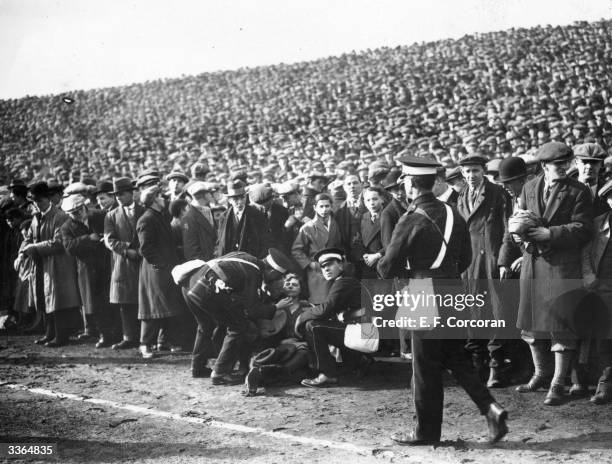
pixel 416 247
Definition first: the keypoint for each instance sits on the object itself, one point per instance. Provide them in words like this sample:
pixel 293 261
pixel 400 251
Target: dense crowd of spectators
pixel 500 93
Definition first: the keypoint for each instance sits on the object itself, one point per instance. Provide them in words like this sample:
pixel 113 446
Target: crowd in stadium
pixel 153 208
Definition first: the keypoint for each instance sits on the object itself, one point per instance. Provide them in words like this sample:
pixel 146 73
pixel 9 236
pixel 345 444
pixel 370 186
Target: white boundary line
pixel 194 420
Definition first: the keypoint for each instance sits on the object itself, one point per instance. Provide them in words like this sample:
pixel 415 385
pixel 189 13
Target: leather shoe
pixel 555 395
pixel 410 439
pixel 56 343
pixel 201 373
pixel 603 394
pixel 176 349
pixel 226 379
pixel 535 383
pixel 124 345
pixel 103 343
pixel 162 347
pixel 320 381
pixel 496 420
pixel 42 341
pixel 84 337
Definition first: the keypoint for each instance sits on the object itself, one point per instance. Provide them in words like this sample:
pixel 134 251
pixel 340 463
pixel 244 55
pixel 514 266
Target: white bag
pixel 362 336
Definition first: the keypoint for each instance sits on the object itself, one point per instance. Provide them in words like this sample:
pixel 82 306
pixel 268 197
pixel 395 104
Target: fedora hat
pixel 122 184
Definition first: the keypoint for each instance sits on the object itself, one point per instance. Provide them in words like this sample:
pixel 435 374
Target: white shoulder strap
pixel 448 229
pixel 214 265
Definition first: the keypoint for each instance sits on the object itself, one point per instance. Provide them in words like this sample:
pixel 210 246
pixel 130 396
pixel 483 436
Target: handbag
pixel 362 336
pixel 422 310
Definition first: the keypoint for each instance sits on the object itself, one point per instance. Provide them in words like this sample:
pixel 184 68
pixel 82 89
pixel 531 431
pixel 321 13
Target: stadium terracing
pixel 502 93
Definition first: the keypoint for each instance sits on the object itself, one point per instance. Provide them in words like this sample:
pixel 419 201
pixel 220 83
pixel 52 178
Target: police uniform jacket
pixel 547 276
pixel 417 240
pixel 344 297
pixel 119 236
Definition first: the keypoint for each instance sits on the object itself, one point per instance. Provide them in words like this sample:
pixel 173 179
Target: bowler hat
pixel 39 190
pixel 103 186
pixel 122 184
pixel 512 168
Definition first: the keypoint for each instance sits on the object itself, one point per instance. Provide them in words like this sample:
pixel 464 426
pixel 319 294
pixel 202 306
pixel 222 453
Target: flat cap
pixel 260 193
pixel 287 187
pixel 474 158
pixel 72 203
pixel 453 173
pixel 147 181
pixel 589 151
pixel 76 188
pixel 200 186
pixel 553 152
pixel 277 260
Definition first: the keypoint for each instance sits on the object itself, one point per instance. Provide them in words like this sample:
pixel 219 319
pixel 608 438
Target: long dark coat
pixel 388 220
pixel 199 236
pixel 487 225
pixel 547 277
pixel 349 224
pixel 93 260
pixel 251 234
pixel 158 295
pixel 119 236
pixel 58 267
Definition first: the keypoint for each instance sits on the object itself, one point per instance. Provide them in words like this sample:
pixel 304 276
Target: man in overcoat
pixel 485 207
pixel 416 244
pixel 121 239
pixel 159 298
pixel 82 237
pixel 56 269
pixel 198 225
pixel 551 266
pixel 242 227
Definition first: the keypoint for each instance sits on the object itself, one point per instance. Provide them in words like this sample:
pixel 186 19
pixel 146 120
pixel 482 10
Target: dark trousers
pixel 151 328
pixel 59 324
pixel 130 325
pixel 203 346
pixel 321 334
pixel 429 358
pixel 226 312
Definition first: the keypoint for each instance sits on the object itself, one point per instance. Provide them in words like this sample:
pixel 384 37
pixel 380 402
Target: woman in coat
pixel 159 299
pixel 317 234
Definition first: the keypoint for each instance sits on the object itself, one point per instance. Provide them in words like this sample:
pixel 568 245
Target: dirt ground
pixel 358 416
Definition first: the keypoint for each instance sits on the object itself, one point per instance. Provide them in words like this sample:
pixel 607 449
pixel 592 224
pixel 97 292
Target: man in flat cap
pixel 589 162
pixel 551 267
pixel 198 225
pixel 121 239
pixel 226 290
pixel 321 324
pixel 82 236
pixel 57 294
pixel 485 207
pixel 176 185
pixel 242 227
pixel 262 196
pixel 419 249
